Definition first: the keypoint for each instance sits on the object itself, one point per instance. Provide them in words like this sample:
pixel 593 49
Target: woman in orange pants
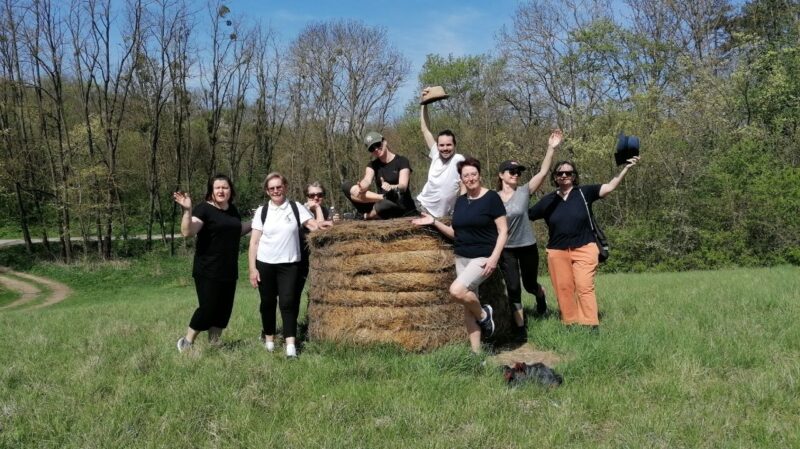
pixel 571 250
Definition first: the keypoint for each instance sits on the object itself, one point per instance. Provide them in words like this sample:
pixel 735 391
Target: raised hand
pixel 555 138
pixel 183 199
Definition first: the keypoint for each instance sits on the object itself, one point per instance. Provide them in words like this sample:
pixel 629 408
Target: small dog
pixel 522 372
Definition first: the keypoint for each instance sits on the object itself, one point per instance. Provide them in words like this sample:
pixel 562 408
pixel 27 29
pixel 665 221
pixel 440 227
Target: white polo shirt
pixel 438 195
pixel 279 241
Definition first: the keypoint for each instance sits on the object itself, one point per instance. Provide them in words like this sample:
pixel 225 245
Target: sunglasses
pixel 564 173
pixel 514 172
pixel 316 195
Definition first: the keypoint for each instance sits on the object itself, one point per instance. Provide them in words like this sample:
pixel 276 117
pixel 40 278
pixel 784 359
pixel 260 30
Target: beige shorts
pixel 469 272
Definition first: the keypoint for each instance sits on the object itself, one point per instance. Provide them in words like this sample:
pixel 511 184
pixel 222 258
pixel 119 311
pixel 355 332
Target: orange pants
pixel 572 272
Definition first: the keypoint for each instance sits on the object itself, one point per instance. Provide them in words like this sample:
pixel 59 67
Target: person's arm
pixel 429 220
pixel 609 187
pixel 540 209
pixel 536 181
pixel 502 237
pixel 255 278
pixel 190 225
pixel 369 175
pixel 424 122
pixel 405 176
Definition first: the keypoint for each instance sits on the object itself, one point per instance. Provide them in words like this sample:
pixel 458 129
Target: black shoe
pixel 392 195
pixel 541 303
pixel 487 325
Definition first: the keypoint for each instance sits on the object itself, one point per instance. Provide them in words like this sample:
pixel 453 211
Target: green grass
pixel 7 296
pixel 688 360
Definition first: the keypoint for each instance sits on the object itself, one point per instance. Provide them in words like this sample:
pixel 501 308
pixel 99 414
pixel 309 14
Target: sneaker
pixel 184 344
pixel 291 352
pixel 487 325
pixel 391 195
pixel 270 345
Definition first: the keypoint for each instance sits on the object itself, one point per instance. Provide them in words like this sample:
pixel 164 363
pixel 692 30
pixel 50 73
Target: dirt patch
pixel 29 291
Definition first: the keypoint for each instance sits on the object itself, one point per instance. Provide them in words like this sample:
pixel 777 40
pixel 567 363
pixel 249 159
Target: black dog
pixel 522 372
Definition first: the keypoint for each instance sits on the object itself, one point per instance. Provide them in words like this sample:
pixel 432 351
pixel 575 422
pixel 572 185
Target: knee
pixel 458 291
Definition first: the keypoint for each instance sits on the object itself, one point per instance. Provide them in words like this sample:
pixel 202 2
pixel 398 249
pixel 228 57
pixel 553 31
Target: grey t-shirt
pixel 520 232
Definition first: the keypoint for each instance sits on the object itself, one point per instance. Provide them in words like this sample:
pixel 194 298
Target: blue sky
pixel 415 28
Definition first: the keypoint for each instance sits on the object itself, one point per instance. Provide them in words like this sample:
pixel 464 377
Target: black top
pixel 567 221
pixel 390 172
pixel 474 226
pixel 217 248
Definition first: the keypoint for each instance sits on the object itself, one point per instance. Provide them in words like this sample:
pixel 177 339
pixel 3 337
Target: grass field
pixel 684 360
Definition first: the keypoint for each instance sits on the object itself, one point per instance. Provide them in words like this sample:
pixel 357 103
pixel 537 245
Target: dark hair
pixel 469 162
pixel 210 187
pixel 446 132
pixel 576 177
pixel 316 184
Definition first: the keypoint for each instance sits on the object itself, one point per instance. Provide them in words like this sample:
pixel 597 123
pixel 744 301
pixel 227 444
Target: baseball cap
pixel 372 138
pixel 510 165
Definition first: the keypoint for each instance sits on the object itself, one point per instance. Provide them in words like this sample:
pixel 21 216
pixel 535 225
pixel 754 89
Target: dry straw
pixel 387 282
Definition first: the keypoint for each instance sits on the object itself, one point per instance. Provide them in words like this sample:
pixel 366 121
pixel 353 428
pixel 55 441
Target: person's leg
pixel 222 309
pixel 509 265
pixel 584 267
pixel 463 291
pixel 287 285
pixel 559 263
pixel 268 291
pixel 201 318
pixel 528 257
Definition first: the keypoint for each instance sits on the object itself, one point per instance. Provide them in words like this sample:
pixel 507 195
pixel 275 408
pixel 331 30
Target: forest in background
pixel 108 107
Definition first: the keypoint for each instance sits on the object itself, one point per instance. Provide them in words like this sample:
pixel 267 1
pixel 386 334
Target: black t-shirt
pixel 217 248
pixel 474 226
pixel 390 172
pixel 567 221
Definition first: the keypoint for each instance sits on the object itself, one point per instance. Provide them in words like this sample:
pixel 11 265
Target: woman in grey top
pixel 520 257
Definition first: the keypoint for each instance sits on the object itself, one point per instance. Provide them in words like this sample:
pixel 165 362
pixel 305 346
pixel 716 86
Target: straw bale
pixel 383 282
pixel 413 328
pixel 401 262
pixel 388 300
pixel 370 231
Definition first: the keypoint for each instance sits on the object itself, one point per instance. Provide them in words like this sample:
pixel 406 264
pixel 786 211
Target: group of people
pixel 489 229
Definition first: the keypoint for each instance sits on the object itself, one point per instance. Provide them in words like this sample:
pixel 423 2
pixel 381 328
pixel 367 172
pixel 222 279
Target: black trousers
pixel 278 287
pixel 522 262
pixel 215 300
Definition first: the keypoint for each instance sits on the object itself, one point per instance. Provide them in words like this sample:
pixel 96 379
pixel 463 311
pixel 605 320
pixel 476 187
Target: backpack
pixel 301 230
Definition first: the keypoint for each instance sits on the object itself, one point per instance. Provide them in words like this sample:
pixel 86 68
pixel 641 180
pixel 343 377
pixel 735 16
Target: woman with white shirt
pixel 275 257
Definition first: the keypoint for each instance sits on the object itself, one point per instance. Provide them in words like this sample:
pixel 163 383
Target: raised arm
pixel 424 122
pixel 609 187
pixel 536 181
pixel 190 225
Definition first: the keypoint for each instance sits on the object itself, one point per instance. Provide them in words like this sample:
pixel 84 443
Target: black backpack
pixel 301 230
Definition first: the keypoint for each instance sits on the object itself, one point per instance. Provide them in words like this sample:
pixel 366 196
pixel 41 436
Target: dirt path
pixel 29 291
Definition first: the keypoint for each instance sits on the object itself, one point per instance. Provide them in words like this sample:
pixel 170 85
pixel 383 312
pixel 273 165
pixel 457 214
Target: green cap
pixel 372 138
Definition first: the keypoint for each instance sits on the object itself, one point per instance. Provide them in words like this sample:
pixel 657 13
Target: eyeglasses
pixel 564 173
pixel 514 172
pixel 275 188
pixel 316 195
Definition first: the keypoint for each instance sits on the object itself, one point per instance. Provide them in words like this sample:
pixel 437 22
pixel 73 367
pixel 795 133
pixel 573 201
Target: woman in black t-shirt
pixel 218 226
pixel 479 231
pixel 571 250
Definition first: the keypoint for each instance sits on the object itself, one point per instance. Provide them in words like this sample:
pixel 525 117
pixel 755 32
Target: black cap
pixel 627 147
pixel 510 165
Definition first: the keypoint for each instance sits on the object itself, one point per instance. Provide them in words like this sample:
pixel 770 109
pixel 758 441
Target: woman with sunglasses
pixel 479 231
pixel 520 257
pixel 571 250
pixel 275 259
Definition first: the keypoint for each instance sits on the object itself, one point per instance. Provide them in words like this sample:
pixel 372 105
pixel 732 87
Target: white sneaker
pixel 184 344
pixel 291 352
pixel 270 345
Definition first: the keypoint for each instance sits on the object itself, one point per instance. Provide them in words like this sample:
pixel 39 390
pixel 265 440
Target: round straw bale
pixel 388 282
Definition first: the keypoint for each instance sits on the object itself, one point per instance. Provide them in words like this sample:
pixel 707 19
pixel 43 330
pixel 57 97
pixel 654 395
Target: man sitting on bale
pixel 439 193
pixel 391 173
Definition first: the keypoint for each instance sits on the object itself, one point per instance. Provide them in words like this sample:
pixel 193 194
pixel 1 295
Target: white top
pixel 279 241
pixel 438 195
